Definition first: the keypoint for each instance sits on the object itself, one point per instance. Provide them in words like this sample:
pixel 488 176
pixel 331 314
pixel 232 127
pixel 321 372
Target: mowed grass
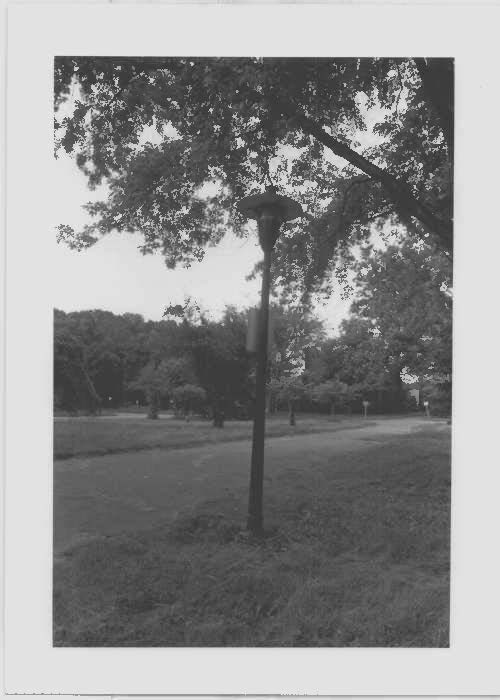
pixel 107 435
pixel 356 553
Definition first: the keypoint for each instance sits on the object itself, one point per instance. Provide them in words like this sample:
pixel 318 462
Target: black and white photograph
pixel 252 350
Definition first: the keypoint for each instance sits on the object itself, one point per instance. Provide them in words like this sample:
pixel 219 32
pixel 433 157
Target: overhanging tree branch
pixel 405 201
pixel 403 198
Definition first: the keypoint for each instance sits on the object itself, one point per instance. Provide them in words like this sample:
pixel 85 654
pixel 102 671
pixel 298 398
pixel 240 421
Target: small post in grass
pixel 270 210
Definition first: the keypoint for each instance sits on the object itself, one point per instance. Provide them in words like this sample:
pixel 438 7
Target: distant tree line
pixel 397 335
pixel 106 360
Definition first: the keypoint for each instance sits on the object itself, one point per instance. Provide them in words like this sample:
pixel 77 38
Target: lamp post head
pixel 270 210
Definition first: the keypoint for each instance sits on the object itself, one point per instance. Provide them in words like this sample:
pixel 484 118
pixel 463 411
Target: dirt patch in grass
pixel 354 555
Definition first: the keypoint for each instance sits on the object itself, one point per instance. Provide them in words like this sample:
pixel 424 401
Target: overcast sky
pixel 115 276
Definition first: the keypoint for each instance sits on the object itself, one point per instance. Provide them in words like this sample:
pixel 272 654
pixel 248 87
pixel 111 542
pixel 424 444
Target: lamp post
pixel 270 210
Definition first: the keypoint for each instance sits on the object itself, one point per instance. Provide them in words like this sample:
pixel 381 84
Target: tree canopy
pixel 400 324
pixel 178 141
pixel 405 292
pixel 399 329
pixel 293 331
pixel 104 359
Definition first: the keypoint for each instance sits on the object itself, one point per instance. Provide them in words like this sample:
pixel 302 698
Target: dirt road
pixel 99 496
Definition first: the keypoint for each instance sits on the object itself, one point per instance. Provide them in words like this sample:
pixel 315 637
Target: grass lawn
pixel 107 435
pixel 356 554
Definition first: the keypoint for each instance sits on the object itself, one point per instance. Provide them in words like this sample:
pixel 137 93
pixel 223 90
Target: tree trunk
pixel 399 387
pixel 154 405
pixel 95 399
pixel 437 81
pixel 218 421
pixel 291 412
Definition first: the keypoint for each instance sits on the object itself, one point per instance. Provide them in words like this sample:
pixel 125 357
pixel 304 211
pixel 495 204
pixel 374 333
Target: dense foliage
pixel 102 359
pixel 404 291
pixel 399 332
pixel 177 141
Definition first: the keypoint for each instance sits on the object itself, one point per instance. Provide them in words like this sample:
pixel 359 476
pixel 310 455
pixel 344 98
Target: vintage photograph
pixel 252 347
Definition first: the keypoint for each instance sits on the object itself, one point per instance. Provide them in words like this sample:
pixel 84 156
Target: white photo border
pixel 36 34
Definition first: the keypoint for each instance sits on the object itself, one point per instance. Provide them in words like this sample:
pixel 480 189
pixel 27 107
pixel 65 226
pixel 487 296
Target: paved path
pixel 130 491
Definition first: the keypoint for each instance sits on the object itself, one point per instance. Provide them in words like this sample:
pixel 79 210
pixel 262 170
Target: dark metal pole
pixel 254 522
